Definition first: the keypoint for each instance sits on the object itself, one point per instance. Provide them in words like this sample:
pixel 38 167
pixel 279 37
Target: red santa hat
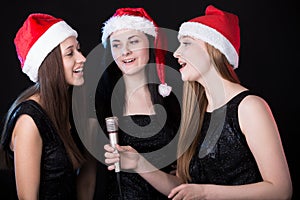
pixel 38 36
pixel 218 28
pixel 139 19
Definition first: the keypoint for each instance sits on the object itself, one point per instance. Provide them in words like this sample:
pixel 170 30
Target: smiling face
pixel 193 57
pixel 73 61
pixel 130 50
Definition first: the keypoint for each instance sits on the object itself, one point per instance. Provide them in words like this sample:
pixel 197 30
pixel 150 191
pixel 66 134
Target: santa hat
pixel 38 36
pixel 139 19
pixel 218 28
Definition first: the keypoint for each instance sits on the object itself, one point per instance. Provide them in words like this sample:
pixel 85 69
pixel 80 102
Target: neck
pixel 138 101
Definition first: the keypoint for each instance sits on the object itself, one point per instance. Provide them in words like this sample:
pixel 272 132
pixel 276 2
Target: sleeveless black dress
pixel 223 156
pixel 57 181
pixel 149 142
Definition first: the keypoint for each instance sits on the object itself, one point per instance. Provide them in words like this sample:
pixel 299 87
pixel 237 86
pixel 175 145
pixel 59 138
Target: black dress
pixel 57 178
pixel 155 136
pixel 223 156
pixel 150 140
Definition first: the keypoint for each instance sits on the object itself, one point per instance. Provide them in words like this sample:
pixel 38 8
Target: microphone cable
pixel 112 127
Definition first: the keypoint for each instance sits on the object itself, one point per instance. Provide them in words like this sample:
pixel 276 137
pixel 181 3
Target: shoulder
pixel 254 113
pixel 25 116
pixel 25 130
pixel 252 104
pixel 26 124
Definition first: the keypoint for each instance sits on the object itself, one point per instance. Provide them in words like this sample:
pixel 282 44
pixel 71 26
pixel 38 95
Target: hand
pixel 187 192
pixel 129 157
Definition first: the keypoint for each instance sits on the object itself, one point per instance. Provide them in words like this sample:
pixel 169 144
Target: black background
pixel 269 54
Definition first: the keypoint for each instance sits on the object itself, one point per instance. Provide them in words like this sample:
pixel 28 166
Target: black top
pixel 156 141
pixel 224 157
pixel 57 179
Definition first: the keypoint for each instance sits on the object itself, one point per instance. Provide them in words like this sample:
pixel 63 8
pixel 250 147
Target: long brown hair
pixel 194 105
pixel 55 98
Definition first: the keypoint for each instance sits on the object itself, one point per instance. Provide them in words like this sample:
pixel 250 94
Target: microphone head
pixel 112 124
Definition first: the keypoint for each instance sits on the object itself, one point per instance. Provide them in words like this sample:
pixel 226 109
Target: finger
pixel 173 192
pixel 109 148
pixel 111 155
pixel 111 160
pixel 111 167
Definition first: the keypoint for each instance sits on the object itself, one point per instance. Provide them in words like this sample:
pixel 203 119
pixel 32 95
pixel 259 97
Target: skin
pixel 130 50
pixel 26 139
pixel 261 133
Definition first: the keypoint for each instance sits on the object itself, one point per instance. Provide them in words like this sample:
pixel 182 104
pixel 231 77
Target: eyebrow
pixel 116 40
pixel 72 46
pixel 68 47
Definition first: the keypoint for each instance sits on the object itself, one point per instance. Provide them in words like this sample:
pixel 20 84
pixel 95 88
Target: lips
pixel 79 70
pixel 182 64
pixel 128 60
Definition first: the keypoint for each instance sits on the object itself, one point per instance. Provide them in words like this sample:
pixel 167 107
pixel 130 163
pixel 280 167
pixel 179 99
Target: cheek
pixel 144 56
pixel 199 59
pixel 115 55
pixel 68 69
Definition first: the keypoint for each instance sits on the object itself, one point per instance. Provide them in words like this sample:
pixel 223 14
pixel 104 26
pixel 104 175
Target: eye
pixel 70 53
pixel 134 41
pixel 185 43
pixel 115 45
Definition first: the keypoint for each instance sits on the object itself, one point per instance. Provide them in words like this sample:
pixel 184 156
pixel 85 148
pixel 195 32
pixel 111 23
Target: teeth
pixel 78 70
pixel 182 64
pixel 127 61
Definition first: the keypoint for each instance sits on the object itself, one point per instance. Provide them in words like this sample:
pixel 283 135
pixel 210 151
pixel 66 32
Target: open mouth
pixel 128 60
pixel 79 70
pixel 182 64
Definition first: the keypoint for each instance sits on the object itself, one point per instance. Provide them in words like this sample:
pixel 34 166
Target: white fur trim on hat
pixel 127 22
pixel 56 34
pixel 211 36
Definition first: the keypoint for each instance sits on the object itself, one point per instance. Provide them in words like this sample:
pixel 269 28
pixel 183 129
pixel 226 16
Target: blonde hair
pixel 194 104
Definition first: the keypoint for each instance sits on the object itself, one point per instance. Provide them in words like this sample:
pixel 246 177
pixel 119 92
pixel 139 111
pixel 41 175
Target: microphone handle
pixel 113 138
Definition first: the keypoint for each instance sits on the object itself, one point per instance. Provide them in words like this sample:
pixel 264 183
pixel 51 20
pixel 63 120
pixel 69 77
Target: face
pixel 193 57
pixel 130 50
pixel 73 61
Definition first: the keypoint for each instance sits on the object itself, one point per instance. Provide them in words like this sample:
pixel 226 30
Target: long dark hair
pixel 55 99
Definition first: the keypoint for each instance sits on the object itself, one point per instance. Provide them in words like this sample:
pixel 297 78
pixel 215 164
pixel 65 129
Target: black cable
pixel 119 186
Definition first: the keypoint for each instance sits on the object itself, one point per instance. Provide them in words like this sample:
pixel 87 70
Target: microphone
pixel 112 127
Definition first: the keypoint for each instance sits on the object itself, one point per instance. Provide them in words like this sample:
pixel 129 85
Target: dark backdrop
pixel 268 56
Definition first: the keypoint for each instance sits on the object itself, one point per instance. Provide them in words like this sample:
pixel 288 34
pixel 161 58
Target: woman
pixel 38 140
pixel 229 145
pixel 133 89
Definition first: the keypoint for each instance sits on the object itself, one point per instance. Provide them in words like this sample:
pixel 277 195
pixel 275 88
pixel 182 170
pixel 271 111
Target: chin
pixel 78 82
pixel 183 78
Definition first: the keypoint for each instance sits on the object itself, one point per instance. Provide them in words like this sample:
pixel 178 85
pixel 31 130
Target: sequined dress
pixel 223 156
pixel 149 139
pixel 57 181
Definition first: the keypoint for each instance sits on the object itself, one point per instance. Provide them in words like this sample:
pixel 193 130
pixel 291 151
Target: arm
pixel 260 129
pixel 27 146
pixel 130 159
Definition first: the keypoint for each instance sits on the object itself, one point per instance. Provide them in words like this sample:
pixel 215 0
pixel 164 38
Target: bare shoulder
pixel 253 103
pixel 255 115
pixel 26 127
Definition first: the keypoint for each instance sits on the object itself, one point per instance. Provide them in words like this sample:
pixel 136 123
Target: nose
pixel 125 50
pixel 80 58
pixel 176 53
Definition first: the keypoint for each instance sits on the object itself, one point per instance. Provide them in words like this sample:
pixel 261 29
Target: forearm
pixel 261 190
pixel 160 180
